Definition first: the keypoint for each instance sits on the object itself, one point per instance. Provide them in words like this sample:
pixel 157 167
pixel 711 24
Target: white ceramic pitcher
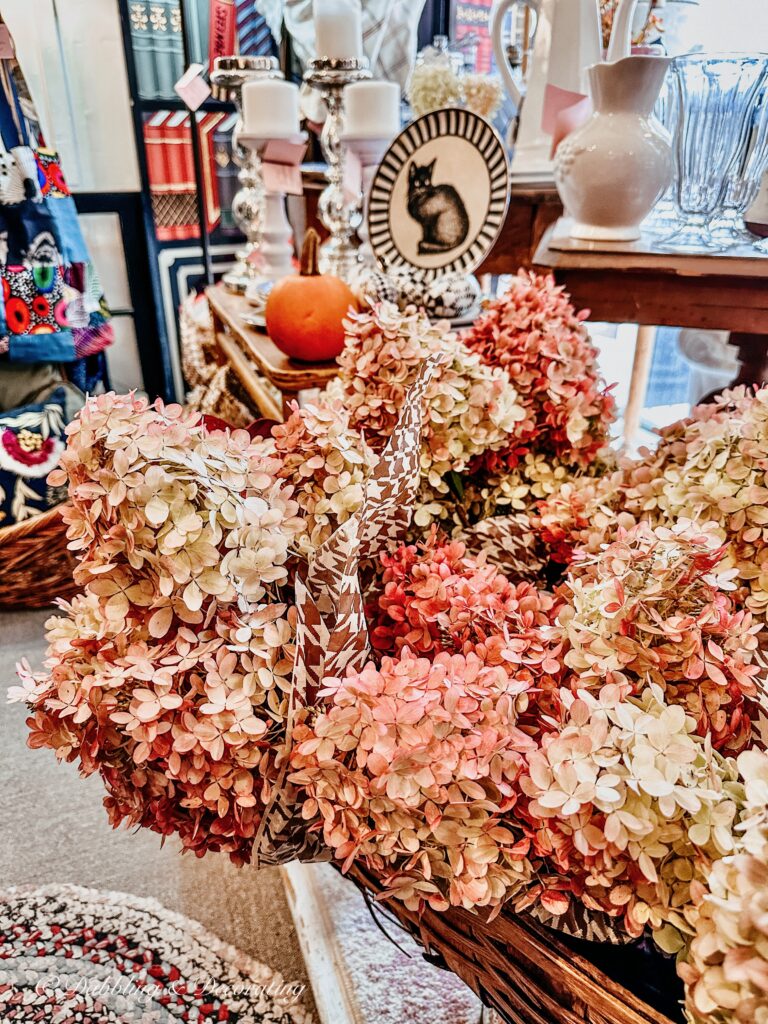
pixel 611 171
pixel 567 41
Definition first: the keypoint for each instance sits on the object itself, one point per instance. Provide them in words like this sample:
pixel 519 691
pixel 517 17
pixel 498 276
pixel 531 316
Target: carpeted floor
pixel 54 829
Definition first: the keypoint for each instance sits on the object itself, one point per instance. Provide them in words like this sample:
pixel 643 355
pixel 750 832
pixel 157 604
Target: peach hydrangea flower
pixel 170 674
pixel 440 598
pixel 470 408
pixel 179 729
pixel 412 767
pixel 534 333
pixel 655 607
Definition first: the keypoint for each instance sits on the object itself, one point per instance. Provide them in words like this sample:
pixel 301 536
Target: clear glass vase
pixel 742 184
pixel 663 220
pixel 717 96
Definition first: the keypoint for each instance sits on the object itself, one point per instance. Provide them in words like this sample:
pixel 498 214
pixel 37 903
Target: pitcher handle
pixel 496 28
pixel 620 43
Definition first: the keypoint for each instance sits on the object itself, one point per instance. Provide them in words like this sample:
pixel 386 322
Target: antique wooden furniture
pixel 251 354
pixel 532 210
pixel 726 292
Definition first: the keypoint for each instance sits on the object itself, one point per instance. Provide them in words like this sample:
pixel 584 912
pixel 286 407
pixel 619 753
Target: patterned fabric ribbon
pixel 331 631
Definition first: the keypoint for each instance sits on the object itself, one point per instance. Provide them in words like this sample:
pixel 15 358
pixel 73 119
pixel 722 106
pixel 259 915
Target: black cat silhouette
pixel 439 209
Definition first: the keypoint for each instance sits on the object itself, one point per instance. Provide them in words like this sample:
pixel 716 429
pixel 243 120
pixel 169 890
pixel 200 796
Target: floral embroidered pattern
pixel 139 19
pixel 158 18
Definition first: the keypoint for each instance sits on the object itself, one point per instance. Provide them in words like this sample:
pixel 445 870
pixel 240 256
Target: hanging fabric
pixel 51 305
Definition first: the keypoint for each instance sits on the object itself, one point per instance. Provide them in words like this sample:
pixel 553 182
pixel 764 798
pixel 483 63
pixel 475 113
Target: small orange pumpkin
pixel 304 313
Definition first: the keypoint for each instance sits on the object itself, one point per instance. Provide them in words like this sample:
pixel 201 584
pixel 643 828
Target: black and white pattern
pixel 440 194
pixel 82 956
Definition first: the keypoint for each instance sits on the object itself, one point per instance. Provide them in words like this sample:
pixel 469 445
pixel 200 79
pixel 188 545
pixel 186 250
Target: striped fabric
pixel 253 35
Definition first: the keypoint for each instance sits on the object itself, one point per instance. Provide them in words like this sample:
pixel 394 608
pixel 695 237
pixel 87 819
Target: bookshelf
pixel 188 176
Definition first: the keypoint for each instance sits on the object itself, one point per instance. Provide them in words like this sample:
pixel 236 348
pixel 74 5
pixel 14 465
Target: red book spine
pixel 221 35
pixel 156 160
pixel 189 157
pixel 174 147
pixel 158 169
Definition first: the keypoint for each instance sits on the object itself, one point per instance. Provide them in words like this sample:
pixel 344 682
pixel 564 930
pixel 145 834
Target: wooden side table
pixel 727 292
pixel 532 209
pixel 251 352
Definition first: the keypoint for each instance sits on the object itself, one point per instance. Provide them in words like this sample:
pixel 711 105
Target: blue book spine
pixel 165 23
pixel 142 40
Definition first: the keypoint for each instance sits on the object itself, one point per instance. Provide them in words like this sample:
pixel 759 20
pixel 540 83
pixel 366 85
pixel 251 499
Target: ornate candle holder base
pixel 275 248
pixel 228 77
pixel 329 75
pixel 369 152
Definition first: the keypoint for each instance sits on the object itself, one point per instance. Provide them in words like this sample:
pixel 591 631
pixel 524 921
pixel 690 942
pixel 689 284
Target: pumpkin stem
pixel 310 266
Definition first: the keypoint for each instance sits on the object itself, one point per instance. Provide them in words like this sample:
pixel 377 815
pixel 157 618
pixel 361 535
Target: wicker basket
pixel 532 975
pixel 35 565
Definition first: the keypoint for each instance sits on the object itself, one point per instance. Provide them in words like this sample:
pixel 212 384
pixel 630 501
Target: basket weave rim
pixel 527 941
pixel 17 531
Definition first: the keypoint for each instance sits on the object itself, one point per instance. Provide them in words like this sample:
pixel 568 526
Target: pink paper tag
pixel 353 176
pixel 192 87
pixel 6 44
pixel 285 178
pixel 569 119
pixel 556 100
pixel 282 151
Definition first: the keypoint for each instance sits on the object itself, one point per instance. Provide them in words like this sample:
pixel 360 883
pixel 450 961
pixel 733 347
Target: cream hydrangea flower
pixel 470 408
pixel 622 798
pixel 725 967
pixel 328 463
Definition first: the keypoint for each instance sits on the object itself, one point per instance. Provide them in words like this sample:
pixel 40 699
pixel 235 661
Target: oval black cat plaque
pixel 439 196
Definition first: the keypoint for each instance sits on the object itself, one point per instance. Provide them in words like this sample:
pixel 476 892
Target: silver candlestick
pixel 228 77
pixel 329 75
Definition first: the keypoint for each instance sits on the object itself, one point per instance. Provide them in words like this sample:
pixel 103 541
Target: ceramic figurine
pixel 612 170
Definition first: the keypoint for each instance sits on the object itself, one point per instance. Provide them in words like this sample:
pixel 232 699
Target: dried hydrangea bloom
pixel 470 408
pixel 580 514
pixel 433 84
pixel 179 728
pixel 170 675
pixel 439 598
pixel 712 466
pixel 725 967
pixel 534 333
pixel 164 514
pixel 626 806
pixel 654 607
pixel 483 94
pixel 535 483
pixel 327 462
pixel 412 767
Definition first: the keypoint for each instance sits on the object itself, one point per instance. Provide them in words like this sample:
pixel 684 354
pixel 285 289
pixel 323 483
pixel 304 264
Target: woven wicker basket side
pixel 519 968
pixel 35 565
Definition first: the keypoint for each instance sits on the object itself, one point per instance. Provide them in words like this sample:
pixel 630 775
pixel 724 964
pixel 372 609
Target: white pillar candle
pixel 270 108
pixel 372 110
pixel 338 28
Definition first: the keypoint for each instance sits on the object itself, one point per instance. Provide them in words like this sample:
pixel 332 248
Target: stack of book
pixel 171 169
pixel 158 48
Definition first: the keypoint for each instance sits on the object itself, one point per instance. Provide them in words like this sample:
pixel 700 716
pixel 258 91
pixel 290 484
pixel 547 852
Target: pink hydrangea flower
pixel 534 333
pixel 412 766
